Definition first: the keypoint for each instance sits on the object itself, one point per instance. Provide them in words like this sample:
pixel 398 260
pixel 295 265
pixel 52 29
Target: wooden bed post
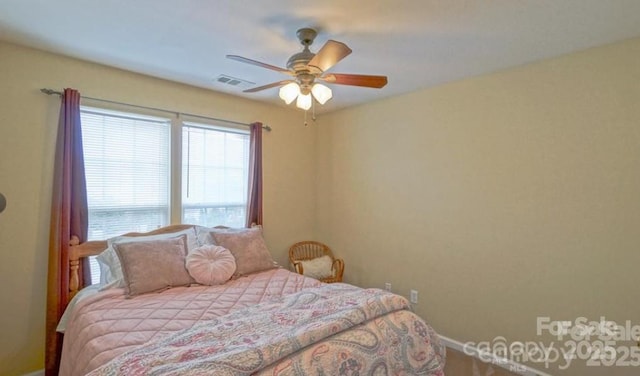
pixel 74 262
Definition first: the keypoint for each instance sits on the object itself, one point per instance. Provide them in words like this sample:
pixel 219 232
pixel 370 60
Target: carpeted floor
pixel 459 364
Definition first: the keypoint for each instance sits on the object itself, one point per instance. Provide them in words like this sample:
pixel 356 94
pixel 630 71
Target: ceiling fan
pixel 306 68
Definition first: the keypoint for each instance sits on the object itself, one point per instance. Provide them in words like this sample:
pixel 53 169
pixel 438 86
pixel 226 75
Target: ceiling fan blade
pixel 269 86
pixel 329 55
pixel 258 63
pixel 356 80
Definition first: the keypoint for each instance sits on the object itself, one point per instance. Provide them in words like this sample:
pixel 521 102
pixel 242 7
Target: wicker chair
pixel 309 250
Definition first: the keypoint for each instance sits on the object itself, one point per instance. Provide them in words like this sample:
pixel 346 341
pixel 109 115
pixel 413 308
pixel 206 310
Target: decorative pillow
pixel 211 264
pixel 205 234
pixel 108 259
pixel 153 265
pixel 318 268
pixel 249 250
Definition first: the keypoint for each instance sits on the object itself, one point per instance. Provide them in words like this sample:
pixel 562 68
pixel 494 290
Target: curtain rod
pixel 54 92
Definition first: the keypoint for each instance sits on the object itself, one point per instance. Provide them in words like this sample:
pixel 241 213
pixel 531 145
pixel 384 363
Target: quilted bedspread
pixel 320 330
pixel 105 325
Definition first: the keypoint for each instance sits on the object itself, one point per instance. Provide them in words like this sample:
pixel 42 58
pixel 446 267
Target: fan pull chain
pixel 313 113
pixel 313 110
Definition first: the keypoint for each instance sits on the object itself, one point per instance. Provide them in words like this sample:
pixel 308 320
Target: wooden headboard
pixel 78 251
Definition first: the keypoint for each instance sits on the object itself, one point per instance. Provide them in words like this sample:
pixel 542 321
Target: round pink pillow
pixel 211 264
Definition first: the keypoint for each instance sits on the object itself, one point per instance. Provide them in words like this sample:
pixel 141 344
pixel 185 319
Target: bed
pixel 260 322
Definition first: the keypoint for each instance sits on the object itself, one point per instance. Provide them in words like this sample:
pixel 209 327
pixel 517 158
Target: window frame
pixel 216 126
pixel 129 115
pixel 177 123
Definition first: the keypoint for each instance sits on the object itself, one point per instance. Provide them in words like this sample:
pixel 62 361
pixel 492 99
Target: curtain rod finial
pixel 50 91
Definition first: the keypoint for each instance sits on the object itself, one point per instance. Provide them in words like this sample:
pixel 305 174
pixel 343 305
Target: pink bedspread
pixel 326 329
pixel 255 339
pixel 107 324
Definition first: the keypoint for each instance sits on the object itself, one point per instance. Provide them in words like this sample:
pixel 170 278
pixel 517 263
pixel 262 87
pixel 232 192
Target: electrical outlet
pixel 413 298
pixel 387 286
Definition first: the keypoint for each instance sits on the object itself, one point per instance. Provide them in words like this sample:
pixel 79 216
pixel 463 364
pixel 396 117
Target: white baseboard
pixel 36 373
pixel 507 364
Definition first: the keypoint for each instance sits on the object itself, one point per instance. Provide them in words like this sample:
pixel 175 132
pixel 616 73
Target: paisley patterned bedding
pixel 360 332
pixel 333 329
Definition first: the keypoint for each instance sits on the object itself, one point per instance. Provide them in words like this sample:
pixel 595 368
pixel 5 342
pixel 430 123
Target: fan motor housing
pixel 299 61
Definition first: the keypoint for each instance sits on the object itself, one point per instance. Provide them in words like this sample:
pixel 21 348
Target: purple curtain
pixel 254 199
pixel 69 217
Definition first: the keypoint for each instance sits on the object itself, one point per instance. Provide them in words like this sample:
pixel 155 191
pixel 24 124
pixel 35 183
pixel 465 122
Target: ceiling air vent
pixel 234 81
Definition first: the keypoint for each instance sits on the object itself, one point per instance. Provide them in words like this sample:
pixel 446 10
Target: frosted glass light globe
pixel 289 92
pixel 304 101
pixel 321 93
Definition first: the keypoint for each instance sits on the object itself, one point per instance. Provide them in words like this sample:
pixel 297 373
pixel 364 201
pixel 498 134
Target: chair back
pixel 308 250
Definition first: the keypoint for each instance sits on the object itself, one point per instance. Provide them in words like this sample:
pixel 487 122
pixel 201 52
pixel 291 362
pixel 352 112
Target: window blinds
pixel 127 166
pixel 215 167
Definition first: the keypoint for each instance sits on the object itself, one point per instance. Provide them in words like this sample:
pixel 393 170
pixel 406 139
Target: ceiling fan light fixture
pixel 305 68
pixel 289 92
pixel 304 101
pixel 321 93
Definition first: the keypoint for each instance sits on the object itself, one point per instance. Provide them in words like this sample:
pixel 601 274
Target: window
pixel 127 165
pixel 129 172
pixel 215 168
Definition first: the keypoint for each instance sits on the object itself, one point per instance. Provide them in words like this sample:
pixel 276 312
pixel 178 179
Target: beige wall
pixel 28 121
pixel 499 198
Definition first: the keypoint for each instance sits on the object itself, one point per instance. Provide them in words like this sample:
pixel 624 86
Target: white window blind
pixel 127 165
pixel 128 170
pixel 215 167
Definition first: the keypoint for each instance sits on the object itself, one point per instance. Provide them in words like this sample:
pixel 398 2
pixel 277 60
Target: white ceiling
pixel 417 44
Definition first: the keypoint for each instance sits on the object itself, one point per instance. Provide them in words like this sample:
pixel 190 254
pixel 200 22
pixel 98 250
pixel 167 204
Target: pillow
pixel 249 250
pixel 211 264
pixel 110 269
pixel 108 257
pixel 318 268
pixel 153 265
pixel 205 234
pixel 105 272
